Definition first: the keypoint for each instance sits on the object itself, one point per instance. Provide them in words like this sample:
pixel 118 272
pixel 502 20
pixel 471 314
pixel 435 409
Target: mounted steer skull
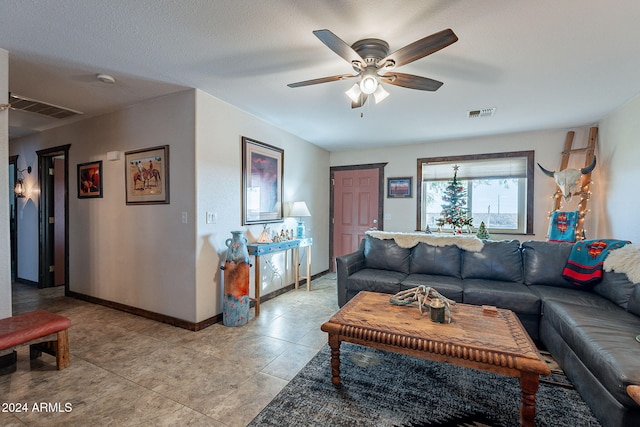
pixel 569 179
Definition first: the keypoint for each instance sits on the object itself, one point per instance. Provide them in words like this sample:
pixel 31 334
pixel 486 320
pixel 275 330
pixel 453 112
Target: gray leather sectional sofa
pixel 591 333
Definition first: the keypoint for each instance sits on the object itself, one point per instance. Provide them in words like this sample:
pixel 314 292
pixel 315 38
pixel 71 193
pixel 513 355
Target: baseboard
pixel 173 320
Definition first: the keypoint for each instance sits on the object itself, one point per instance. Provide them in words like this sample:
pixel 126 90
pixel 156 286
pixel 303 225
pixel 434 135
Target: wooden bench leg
pixel 62 350
pixel 58 348
pixel 34 351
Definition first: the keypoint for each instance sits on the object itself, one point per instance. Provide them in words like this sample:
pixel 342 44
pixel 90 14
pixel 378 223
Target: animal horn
pixel 546 172
pixel 587 169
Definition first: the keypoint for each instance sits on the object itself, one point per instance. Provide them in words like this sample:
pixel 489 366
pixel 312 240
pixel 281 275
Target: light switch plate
pixel 212 217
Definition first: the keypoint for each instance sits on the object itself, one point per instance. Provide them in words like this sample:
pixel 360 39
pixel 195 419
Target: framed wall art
pixel 262 167
pixel 399 188
pixel 90 180
pixel 147 176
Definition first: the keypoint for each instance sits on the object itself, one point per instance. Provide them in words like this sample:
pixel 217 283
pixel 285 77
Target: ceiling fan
pixel 374 65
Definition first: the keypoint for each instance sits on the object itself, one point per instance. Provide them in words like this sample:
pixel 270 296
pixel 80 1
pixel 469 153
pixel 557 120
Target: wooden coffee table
pixel 474 339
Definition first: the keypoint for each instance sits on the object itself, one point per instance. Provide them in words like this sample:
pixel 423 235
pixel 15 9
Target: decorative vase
pixel 235 309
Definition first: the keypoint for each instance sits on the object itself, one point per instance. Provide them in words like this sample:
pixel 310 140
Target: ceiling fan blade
pixel 412 82
pixel 340 47
pixel 321 80
pixel 421 48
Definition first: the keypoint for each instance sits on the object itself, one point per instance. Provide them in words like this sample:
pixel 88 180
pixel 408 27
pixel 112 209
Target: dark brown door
pixel 54 182
pixel 356 206
pixel 59 221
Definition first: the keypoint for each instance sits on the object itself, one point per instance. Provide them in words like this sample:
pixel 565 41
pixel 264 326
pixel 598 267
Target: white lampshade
pixel 354 93
pixel 299 209
pixel 380 94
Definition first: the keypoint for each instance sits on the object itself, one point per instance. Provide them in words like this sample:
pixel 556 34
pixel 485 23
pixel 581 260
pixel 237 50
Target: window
pixel 499 190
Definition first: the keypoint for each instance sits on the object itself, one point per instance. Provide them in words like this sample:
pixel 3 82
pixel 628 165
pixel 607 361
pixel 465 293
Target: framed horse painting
pixel 147 176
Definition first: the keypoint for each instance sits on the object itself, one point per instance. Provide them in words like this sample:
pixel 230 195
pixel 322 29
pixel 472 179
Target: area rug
pixel 387 389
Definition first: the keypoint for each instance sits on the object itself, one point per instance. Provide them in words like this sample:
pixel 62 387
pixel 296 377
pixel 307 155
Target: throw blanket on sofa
pixel 625 260
pixel 467 242
pixel 585 263
pixel 562 226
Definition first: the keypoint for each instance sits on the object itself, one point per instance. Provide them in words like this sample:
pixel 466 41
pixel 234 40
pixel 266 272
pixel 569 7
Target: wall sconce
pixel 300 209
pixel 19 189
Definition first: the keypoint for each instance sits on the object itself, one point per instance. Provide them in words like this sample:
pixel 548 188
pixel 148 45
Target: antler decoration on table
pixel 423 295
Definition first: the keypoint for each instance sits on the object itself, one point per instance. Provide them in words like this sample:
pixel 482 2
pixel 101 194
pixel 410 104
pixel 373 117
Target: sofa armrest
pixel 634 392
pixel 347 265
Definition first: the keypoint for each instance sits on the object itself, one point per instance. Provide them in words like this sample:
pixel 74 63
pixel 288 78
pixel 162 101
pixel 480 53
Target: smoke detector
pixel 106 78
pixel 483 112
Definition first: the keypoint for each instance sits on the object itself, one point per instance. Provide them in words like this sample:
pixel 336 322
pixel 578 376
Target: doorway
pixel 13 216
pixel 53 175
pixel 356 205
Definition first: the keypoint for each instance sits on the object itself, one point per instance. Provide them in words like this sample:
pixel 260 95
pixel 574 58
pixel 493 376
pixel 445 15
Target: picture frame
pixel 400 187
pixel 90 180
pixel 147 176
pixel 262 175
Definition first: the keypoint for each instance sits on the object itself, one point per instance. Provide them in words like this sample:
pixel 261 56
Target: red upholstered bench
pixel 22 328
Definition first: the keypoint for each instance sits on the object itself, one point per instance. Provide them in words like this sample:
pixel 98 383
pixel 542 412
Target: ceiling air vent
pixel 23 103
pixel 484 112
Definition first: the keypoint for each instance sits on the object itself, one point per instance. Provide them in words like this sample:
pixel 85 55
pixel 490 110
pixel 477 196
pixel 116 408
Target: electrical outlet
pixel 184 217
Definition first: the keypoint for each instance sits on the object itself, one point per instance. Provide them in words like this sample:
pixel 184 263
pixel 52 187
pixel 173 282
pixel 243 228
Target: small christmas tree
pixel 482 232
pixel 453 211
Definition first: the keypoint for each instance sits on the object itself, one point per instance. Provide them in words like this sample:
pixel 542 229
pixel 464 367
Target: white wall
pixel 400 214
pixel 144 256
pixel 5 246
pixel 220 128
pixel 141 256
pixel 620 173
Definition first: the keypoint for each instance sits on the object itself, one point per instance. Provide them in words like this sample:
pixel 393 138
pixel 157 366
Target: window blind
pixel 512 167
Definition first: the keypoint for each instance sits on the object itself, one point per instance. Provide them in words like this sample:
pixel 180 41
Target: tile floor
pixel 130 371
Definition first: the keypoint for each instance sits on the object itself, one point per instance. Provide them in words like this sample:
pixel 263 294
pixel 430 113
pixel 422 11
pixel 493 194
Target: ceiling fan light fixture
pixel 368 84
pixel 354 93
pixel 371 61
pixel 380 94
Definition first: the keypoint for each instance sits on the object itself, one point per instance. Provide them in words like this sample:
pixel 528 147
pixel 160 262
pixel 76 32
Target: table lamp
pixel 299 209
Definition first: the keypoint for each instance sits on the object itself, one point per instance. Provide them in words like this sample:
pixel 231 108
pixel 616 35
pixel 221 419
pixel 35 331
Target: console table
pixel 260 249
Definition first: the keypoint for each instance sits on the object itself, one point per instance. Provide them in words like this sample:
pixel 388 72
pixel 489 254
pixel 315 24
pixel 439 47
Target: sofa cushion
pixel 450 287
pixel 510 295
pixel 604 340
pixel 615 287
pixel 385 254
pixel 442 260
pixel 573 296
pixel 384 281
pixel 544 261
pixel 634 301
pixel 498 260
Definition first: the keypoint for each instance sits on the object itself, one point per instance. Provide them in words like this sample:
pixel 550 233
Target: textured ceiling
pixel 543 64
